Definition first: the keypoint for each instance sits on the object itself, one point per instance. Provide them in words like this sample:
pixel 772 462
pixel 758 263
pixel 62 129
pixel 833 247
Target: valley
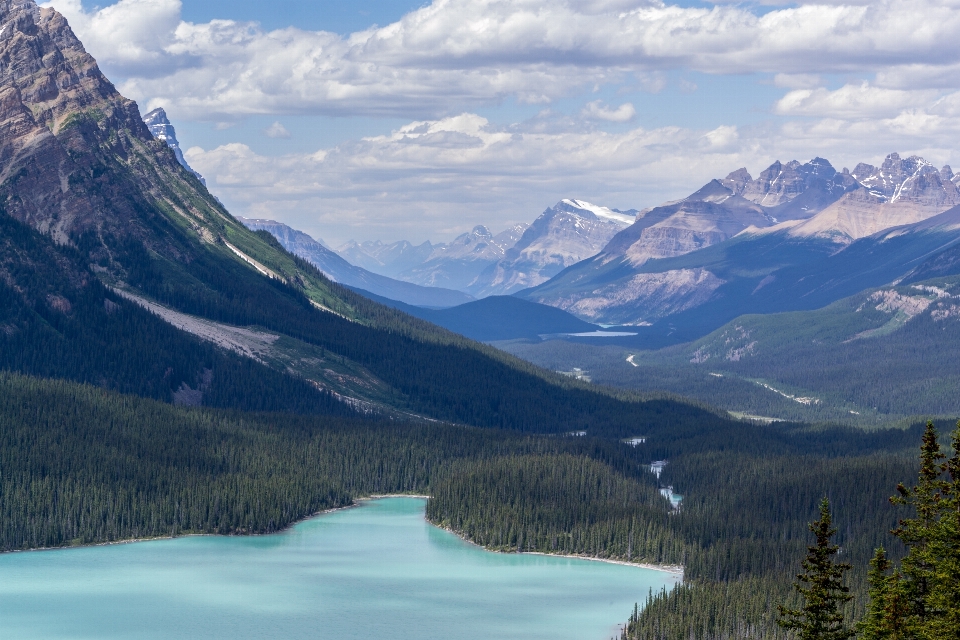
pixel 171 370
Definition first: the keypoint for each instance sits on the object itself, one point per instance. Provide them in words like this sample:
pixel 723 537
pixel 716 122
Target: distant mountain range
pixel 119 269
pixel 797 237
pixel 454 265
pixel 339 270
pixel 483 264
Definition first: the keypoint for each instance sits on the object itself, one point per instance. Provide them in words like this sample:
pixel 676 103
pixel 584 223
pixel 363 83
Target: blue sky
pixel 460 112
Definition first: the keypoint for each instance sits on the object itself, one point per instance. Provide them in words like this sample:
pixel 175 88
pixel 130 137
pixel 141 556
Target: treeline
pixel 749 493
pixel 908 371
pixel 435 373
pixel 79 464
pixel 555 503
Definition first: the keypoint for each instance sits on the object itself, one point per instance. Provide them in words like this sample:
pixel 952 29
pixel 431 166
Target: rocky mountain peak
pixel 910 179
pixel 75 157
pixel 588 210
pixel 780 183
pixel 737 180
pixel 162 129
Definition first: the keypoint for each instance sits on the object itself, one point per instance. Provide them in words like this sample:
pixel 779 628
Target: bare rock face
pixel 75 158
pixel 811 200
pixel 899 192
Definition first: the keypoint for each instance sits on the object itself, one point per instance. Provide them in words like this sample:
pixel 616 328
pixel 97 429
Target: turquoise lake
pixel 378 570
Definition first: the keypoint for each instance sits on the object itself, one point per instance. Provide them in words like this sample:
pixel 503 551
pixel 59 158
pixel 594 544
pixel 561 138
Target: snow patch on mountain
pixel 570 231
pixel 602 212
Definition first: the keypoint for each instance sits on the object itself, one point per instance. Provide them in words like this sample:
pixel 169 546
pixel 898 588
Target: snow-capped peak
pixel 601 212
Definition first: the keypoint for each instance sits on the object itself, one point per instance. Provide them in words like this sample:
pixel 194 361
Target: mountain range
pixel 798 236
pixel 482 264
pixel 453 265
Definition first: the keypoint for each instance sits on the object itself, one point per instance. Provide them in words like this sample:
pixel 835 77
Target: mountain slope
pixel 339 270
pixel 162 129
pixel 453 265
pixel 102 200
pixel 879 355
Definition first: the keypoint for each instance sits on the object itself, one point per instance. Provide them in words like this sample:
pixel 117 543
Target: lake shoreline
pixel 672 569
pixel 675 570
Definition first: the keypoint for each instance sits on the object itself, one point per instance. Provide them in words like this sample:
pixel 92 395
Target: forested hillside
pixel 881 355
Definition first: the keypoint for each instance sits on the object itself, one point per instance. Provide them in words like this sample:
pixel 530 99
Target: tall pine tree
pixel 821 588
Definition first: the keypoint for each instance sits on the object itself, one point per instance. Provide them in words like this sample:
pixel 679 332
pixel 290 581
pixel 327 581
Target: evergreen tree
pixel 923 600
pixel 821 587
pixel 887 610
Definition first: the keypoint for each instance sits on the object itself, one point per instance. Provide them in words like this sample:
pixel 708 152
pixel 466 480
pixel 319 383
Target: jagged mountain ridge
pixel 339 270
pixel 482 264
pixel 819 208
pixel 451 265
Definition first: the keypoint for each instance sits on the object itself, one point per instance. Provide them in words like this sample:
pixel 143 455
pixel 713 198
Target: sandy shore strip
pixel 673 569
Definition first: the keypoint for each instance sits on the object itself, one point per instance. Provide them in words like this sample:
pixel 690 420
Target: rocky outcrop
pixel 899 192
pixel 76 160
pixel 790 201
pixel 643 298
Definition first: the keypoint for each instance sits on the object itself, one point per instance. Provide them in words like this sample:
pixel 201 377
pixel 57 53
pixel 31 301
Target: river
pixel 378 570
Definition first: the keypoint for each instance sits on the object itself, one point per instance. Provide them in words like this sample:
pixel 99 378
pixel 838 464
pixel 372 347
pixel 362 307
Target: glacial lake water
pixel 378 570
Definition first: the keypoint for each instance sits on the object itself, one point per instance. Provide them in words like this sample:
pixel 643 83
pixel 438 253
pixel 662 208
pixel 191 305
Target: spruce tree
pixel 887 610
pixel 923 600
pixel 821 588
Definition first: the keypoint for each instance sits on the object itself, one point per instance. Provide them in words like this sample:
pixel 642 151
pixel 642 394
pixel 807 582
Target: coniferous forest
pixel 84 465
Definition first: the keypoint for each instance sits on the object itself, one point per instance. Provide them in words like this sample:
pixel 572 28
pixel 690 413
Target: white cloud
pixel 276 130
pixel 454 54
pixel 596 110
pixel 436 178
pixel 852 101
pixel 441 173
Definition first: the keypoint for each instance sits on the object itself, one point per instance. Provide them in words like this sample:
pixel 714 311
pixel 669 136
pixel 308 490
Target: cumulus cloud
pixel 436 178
pixel 453 54
pixel 449 169
pixel 596 110
pixel 276 130
pixel 852 101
